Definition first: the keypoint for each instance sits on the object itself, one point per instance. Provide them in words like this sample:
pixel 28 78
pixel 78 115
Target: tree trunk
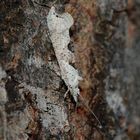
pixel 105 39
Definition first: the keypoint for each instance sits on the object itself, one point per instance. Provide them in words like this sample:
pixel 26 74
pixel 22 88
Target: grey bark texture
pixel 105 39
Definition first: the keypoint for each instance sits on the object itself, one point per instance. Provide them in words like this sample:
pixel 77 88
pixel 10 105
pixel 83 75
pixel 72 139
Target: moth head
pixel 52 10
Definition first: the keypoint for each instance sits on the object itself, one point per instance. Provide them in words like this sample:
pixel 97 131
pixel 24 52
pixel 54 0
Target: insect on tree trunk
pixel 88 49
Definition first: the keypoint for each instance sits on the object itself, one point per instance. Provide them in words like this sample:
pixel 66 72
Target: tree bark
pixel 105 41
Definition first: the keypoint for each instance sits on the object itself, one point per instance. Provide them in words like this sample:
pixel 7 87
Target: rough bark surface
pixel 105 40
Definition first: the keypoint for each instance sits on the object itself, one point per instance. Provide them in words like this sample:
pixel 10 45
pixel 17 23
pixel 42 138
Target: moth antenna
pixel 100 125
pixel 53 4
pixel 44 5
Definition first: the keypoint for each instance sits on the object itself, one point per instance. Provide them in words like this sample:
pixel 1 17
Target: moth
pixel 59 25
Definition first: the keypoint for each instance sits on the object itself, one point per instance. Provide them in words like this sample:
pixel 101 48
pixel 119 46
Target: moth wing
pixel 64 22
pixel 59 23
pixel 68 20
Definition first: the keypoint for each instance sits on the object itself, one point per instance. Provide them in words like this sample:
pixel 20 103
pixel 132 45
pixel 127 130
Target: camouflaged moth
pixel 59 25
